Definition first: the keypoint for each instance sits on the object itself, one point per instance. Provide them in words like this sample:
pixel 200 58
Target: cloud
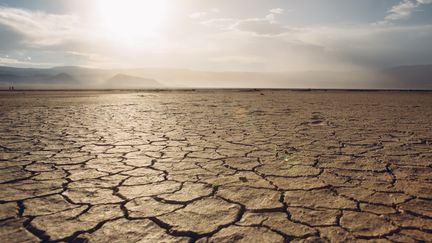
pixel 373 47
pixel 220 23
pixel 260 26
pixel 276 11
pixel 90 57
pixel 202 14
pixel 267 25
pixel 243 59
pixel 197 15
pixel 38 28
pixel 403 10
pixel 7 60
pixel 424 1
pixel 322 48
pixel 49 36
pixel 317 47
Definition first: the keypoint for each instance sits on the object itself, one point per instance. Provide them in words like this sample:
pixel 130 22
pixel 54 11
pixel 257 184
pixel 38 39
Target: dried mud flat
pixel 216 166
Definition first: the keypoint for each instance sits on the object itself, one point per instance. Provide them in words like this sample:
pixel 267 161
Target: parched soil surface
pixel 216 166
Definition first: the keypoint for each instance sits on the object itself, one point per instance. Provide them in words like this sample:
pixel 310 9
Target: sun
pixel 130 19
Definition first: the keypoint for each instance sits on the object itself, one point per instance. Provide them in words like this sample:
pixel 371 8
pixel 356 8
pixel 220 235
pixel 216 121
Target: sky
pixel 217 35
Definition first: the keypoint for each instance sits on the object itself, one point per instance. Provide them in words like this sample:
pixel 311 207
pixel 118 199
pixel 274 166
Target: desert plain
pixel 216 166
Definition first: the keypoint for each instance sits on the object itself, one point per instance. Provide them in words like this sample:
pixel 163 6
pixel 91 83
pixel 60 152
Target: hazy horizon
pixel 73 77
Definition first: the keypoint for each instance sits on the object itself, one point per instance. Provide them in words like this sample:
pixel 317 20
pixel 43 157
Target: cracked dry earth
pixel 216 166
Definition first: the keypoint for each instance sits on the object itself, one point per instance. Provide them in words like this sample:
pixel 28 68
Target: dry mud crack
pixel 216 166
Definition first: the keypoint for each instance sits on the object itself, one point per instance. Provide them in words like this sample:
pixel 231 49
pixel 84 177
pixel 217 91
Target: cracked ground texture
pixel 216 166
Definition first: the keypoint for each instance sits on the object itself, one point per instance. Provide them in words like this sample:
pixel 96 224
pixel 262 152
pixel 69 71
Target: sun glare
pixel 129 20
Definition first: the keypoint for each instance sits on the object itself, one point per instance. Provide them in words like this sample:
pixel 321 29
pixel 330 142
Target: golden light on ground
pixel 130 20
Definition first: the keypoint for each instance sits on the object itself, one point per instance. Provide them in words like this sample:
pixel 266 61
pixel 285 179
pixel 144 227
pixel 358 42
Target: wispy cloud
pixel 51 34
pixel 25 60
pixel 12 61
pixel 260 26
pixel 91 57
pixel 373 47
pixel 202 14
pixel 39 28
pixel 403 10
pixel 276 10
pixel 267 25
pixel 244 59
pixel 197 15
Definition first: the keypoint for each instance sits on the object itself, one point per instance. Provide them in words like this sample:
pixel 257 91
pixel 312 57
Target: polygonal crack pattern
pixel 216 166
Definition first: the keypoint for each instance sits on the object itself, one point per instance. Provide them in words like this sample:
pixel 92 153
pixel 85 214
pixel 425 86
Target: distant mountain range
pixel 72 78
pixel 122 81
pixel 403 77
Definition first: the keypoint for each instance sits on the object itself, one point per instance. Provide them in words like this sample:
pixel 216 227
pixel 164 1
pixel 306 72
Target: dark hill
pixel 121 81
